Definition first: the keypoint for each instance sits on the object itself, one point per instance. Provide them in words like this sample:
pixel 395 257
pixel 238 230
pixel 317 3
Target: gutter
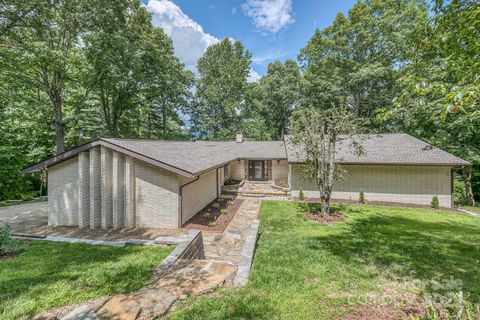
pixel 180 192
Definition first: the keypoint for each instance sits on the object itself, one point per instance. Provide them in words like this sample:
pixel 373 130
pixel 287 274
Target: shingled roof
pixel 193 158
pixel 394 149
pixel 187 158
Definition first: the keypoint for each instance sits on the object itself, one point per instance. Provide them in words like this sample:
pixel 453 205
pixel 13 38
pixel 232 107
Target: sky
pixel 270 29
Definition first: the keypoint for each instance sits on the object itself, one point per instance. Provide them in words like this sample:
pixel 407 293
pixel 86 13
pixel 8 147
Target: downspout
pixel 217 182
pixel 180 192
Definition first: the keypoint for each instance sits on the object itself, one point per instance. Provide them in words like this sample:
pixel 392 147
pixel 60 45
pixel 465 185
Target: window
pixel 225 171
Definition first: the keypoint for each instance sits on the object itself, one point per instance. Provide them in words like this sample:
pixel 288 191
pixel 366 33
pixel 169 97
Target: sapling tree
pixel 316 133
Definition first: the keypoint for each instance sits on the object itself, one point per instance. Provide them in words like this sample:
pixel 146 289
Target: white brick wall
pixel 95 185
pixel 106 187
pixel 156 197
pixel 280 170
pixel 63 193
pixel 198 194
pixel 404 184
pixel 237 169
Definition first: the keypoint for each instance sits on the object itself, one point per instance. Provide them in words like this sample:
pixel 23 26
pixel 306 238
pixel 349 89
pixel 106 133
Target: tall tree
pixel 221 90
pixel 353 61
pixel 278 92
pixel 439 97
pixel 43 41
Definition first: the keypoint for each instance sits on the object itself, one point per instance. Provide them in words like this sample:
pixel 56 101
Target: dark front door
pixel 256 170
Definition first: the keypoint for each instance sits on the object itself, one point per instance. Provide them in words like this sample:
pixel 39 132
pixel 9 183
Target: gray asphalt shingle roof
pixel 199 156
pixel 394 148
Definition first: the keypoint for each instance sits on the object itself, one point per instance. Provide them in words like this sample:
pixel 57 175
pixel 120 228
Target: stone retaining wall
pixel 191 248
pixel 241 278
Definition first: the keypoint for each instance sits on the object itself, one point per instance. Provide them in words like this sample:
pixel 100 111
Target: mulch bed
pixel 212 219
pixel 375 203
pixel 329 219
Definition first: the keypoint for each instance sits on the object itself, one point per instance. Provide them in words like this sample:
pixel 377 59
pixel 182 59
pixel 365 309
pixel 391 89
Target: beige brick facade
pixel 63 193
pixel 237 169
pixel 156 197
pixel 403 184
pixel 196 195
pixel 280 170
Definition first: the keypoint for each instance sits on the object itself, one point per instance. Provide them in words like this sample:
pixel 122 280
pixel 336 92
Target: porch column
pixel 95 182
pixel 106 187
pixel 118 190
pixel 130 192
pixel 83 190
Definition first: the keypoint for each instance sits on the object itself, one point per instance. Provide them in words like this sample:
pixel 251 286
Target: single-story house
pixel 152 183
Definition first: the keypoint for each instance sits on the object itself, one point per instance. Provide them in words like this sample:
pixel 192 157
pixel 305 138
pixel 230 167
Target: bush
pixel 435 202
pixel 460 196
pixel 361 197
pixel 215 205
pixel 301 195
pixel 7 244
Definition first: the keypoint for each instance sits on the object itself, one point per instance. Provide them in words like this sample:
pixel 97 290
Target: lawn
pixel 48 274
pixel 306 270
pixel 475 208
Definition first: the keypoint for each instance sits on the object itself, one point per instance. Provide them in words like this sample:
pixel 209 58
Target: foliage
pixel 316 133
pixel 361 197
pixel 7 244
pixel 304 270
pixel 278 94
pixel 301 195
pixel 221 90
pixel 354 61
pixel 435 203
pixel 47 275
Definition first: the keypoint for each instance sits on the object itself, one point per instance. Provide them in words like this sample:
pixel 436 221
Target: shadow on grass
pixel 42 267
pixel 411 247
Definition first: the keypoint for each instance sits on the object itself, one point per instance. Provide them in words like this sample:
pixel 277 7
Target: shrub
pixel 460 196
pixel 223 211
pixel 301 195
pixel 229 203
pixel 206 215
pixel 215 205
pixel 435 202
pixel 361 198
pixel 212 224
pixel 7 244
pixel 282 184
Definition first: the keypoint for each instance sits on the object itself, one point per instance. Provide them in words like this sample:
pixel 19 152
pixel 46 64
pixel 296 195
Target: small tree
pixel 315 134
pixel 361 198
pixel 301 196
pixel 435 202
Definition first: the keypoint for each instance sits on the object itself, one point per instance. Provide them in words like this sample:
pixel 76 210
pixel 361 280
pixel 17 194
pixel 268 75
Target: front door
pixel 256 170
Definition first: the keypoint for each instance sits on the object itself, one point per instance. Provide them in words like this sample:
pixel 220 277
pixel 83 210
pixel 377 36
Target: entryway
pixel 256 170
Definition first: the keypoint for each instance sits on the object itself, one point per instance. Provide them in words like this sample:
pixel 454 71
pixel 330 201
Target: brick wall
pixel 156 197
pixel 404 184
pixel 63 193
pixel 237 169
pixel 198 194
pixel 280 170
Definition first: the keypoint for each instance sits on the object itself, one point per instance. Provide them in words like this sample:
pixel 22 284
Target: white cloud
pixel 189 39
pixel 254 76
pixel 269 56
pixel 234 10
pixel 269 16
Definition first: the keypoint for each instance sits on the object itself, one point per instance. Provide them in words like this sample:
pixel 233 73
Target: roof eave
pixel 71 153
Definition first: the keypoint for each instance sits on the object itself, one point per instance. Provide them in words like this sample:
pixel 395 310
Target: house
pixel 151 183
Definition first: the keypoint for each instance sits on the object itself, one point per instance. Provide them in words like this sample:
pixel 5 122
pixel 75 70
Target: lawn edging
pixel 241 278
pixel 189 249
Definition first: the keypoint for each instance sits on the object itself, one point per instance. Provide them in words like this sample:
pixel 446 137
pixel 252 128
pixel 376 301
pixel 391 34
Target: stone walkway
pixel 223 253
pixel 229 245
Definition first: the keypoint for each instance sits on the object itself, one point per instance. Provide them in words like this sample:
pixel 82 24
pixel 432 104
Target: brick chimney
pixel 239 137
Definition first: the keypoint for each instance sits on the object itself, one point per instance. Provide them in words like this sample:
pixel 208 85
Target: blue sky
pixel 270 29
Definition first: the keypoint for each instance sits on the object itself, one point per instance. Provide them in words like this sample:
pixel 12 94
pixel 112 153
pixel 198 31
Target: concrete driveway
pixel 27 217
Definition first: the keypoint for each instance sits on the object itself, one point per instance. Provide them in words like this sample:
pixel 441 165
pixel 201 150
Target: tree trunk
pixel 467 177
pixel 59 134
pixel 325 206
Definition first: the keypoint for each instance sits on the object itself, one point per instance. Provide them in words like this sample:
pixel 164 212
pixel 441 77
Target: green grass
pixel 304 270
pixel 48 274
pixel 475 208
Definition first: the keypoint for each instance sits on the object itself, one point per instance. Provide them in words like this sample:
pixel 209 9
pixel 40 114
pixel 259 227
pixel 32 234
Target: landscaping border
pixel 189 249
pixel 241 278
